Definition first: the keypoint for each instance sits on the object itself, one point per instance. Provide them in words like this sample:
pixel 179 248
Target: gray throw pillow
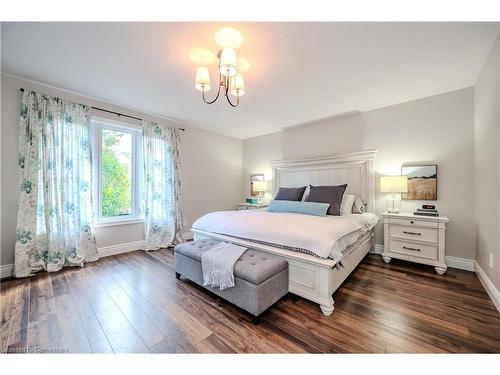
pixel 290 194
pixel 328 194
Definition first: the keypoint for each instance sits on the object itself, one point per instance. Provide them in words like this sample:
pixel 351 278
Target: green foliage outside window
pixel 116 191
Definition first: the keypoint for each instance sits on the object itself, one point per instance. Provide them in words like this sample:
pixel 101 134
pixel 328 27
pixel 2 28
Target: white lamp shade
pixel 228 62
pixel 394 184
pixel 238 85
pixel 202 79
pixel 260 186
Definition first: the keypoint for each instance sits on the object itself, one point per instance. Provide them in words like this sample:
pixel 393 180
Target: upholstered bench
pixel 260 279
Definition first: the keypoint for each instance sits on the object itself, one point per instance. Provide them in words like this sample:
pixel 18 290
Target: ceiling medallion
pixel 230 67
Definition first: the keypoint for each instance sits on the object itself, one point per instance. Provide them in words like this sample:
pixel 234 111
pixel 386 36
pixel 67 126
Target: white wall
pixel 437 129
pixel 487 164
pixel 210 168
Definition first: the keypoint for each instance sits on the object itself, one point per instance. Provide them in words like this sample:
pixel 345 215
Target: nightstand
pixel 419 239
pixel 248 206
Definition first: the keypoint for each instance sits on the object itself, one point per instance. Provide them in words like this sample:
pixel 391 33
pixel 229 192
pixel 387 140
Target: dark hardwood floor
pixel 133 303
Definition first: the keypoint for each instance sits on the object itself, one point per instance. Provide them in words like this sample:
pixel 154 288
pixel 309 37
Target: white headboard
pixel 354 169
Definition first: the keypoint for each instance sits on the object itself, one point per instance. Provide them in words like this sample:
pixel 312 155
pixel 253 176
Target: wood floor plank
pixel 71 327
pixel 14 308
pixel 133 303
pixel 120 334
pixel 44 335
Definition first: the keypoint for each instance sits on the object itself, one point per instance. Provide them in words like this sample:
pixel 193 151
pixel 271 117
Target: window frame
pixel 98 125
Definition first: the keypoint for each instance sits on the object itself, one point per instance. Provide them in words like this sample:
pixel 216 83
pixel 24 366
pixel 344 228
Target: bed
pixel 316 274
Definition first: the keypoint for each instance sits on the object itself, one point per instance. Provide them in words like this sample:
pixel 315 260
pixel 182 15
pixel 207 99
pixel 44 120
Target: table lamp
pixel 260 187
pixel 395 185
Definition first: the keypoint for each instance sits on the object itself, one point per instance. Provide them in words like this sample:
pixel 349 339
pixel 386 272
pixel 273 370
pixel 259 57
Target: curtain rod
pixel 115 113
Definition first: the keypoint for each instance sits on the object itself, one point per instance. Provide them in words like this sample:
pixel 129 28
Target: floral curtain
pixel 162 187
pixel 54 223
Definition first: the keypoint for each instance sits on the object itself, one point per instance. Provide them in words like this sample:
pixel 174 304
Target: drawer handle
pixel 413 233
pixel 412 222
pixel 410 248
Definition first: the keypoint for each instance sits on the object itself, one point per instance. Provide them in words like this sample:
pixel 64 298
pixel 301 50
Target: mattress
pixel 320 236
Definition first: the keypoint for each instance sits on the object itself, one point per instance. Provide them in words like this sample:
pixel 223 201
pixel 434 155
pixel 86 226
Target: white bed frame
pixel 314 278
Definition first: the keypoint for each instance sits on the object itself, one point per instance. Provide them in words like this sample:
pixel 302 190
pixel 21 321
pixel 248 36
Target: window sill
pixel 114 223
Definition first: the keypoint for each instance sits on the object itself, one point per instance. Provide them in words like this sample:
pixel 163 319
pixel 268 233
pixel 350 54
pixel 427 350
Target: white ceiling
pixel 300 72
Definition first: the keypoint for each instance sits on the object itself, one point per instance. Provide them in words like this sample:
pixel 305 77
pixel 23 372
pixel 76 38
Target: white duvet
pixel 322 236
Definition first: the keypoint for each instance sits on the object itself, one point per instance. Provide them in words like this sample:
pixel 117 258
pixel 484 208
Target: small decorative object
pixel 422 182
pixel 394 185
pixel 251 200
pixel 260 187
pixel 253 178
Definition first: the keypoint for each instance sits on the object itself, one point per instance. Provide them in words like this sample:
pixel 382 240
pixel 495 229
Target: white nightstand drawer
pixel 419 250
pixel 413 222
pixel 409 232
pixel 419 239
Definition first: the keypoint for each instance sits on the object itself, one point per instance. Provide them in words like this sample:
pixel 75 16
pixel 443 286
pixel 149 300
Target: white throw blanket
pixel 323 236
pixel 218 265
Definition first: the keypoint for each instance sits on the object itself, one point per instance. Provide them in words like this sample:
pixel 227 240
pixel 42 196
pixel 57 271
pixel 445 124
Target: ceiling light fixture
pixel 230 67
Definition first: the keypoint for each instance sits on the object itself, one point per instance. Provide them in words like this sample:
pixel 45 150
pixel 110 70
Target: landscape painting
pixel 422 182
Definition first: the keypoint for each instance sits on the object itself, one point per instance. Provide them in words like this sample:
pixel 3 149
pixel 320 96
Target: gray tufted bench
pixel 260 279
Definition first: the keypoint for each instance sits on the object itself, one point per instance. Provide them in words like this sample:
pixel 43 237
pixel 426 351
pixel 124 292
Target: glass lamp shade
pixel 228 62
pixel 202 82
pixel 238 85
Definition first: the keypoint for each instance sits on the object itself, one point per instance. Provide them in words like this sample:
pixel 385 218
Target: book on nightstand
pixel 426 210
pixel 418 213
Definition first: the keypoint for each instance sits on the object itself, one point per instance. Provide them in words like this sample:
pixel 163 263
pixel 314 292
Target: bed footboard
pixel 312 278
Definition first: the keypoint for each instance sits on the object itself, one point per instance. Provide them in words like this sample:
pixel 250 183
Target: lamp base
pixel 393 204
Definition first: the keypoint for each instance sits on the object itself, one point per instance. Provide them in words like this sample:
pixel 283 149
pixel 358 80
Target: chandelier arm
pixel 237 101
pixel 227 86
pixel 216 97
pixel 226 93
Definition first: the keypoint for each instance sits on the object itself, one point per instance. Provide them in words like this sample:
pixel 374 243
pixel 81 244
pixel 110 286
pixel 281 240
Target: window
pixel 116 171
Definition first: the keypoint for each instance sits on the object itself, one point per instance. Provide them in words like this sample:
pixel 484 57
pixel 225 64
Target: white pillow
pixel 346 204
pixel 306 193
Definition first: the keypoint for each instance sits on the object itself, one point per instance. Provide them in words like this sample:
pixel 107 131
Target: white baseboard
pixel 488 285
pixel 6 271
pixel 460 263
pixel 452 262
pixel 119 249
pixel 106 251
pixel 378 249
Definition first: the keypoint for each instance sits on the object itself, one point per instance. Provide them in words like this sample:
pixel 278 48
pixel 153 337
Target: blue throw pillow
pixel 306 208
